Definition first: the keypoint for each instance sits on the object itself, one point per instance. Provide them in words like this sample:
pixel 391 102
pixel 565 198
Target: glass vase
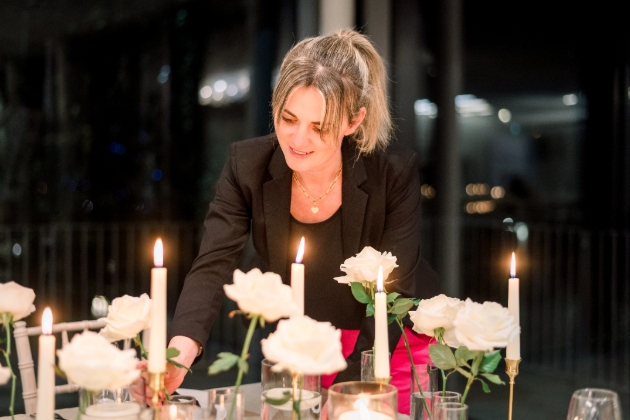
pixel 108 403
pixel 278 389
pixel 367 365
pixel 594 404
pixel 224 404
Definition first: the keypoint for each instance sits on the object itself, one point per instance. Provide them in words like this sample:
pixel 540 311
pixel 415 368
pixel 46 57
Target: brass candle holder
pixel 156 384
pixel 511 368
pixel 383 381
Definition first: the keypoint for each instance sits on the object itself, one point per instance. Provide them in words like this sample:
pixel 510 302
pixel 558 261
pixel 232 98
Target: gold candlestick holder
pixel 156 384
pixel 382 381
pixel 511 368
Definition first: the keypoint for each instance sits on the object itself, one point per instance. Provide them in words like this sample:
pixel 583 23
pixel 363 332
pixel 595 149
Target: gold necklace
pixel 315 209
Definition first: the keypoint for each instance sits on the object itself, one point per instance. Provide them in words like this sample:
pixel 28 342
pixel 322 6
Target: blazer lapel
pixel 354 201
pixel 277 207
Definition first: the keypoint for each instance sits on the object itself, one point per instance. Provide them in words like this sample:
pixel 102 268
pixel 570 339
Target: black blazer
pixel 380 208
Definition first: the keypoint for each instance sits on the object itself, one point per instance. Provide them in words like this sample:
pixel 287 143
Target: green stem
pixel 138 341
pixel 468 384
pixel 413 367
pixel 7 320
pixel 443 382
pixel 297 385
pixel 243 358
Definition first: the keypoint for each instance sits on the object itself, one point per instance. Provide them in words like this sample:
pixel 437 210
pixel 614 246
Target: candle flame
pixel 513 267
pixel 362 406
pixel 47 322
pixel 173 412
pixel 379 279
pixel 158 253
pixel 300 253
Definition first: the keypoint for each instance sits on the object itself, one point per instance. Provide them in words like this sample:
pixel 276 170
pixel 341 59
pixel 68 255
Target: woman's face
pixel 298 131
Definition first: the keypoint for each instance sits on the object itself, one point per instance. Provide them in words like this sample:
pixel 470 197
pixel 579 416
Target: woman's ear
pixel 356 122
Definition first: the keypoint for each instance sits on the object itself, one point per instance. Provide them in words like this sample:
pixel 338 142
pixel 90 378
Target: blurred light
pixel 470 189
pixel 515 128
pixel 100 307
pixel 217 96
pixel 231 90
pixel 508 220
pixel 480 207
pixel 243 82
pixel 483 189
pixel 427 191
pixel 504 115
pixel 205 92
pixel 425 107
pixel 17 250
pixel 471 106
pixel 497 192
pixel 156 175
pixel 220 85
pixel 570 99
pixel 470 208
pixel 522 231
pixel 165 71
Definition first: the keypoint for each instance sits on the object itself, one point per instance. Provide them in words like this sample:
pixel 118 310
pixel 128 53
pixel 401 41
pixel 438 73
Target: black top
pixel 325 299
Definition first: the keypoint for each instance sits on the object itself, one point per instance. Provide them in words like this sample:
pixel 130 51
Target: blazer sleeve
pixel 227 227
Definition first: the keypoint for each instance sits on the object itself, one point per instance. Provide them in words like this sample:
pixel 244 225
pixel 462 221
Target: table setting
pixel 466 339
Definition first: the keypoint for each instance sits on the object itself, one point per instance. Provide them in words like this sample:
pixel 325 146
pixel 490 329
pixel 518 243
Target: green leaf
pixel 416 302
pixel 442 356
pixel 462 355
pixel 179 365
pixel 484 385
pixel 279 401
pixel 391 318
pixel 359 293
pixel 474 369
pixel 495 379
pixel 261 322
pixel 369 309
pixel 171 352
pixel 392 297
pixel 401 306
pixel 243 365
pixel 490 361
pixel 225 361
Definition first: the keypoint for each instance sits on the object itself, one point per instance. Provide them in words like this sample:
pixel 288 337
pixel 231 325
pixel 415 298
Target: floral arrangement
pixel 260 297
pixel 474 330
pixel 16 302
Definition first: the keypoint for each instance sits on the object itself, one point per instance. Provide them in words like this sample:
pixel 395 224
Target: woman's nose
pixel 300 137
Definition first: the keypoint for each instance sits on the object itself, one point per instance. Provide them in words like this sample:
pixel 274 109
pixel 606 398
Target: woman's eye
pixel 317 130
pixel 287 120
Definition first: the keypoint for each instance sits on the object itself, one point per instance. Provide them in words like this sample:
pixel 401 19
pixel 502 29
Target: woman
pixel 327 174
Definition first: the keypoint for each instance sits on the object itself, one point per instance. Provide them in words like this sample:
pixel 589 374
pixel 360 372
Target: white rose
pixel 483 326
pixel 5 375
pixel 437 312
pixel 93 363
pixel 364 266
pixel 304 345
pixel 127 316
pixel 16 300
pixel 261 294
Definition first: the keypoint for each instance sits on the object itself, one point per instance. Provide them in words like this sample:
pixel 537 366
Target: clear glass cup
pixel 367 365
pixel 594 404
pixel 357 400
pixel 221 400
pixel 446 396
pixel 427 375
pixel 450 411
pixel 421 406
pixel 108 403
pixel 278 386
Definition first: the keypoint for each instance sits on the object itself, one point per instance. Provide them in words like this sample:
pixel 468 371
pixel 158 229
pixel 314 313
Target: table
pixel 253 404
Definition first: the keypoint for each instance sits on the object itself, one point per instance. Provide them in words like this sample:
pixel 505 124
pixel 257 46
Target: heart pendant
pixel 314 209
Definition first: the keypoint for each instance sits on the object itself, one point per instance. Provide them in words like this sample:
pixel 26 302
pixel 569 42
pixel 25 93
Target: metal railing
pixel 575 283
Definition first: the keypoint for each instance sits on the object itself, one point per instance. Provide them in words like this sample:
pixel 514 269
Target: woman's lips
pixel 299 154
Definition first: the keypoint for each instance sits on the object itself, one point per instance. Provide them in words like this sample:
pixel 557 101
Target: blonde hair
pixel 349 73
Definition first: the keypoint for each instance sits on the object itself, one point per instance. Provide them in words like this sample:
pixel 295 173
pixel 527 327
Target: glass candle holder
pixel 450 411
pixel 277 392
pixel 223 401
pixel 178 412
pixel 594 403
pixel 421 406
pixel 108 403
pixel 356 400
